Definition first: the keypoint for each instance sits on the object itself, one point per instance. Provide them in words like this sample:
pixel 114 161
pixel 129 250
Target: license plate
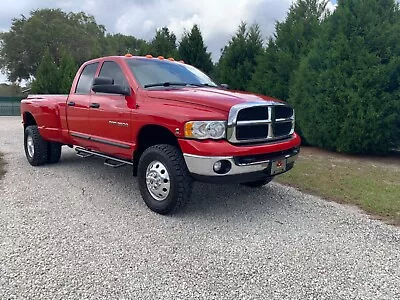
pixel 278 166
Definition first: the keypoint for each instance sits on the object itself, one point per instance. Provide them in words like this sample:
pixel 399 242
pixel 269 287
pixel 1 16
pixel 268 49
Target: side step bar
pixel 83 154
pixel 110 161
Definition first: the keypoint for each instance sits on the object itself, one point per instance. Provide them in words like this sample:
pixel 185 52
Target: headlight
pixel 205 129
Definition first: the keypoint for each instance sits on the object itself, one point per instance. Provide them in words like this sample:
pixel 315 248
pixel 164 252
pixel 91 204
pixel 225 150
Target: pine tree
pixel 164 43
pixel 347 90
pixel 292 40
pixel 193 51
pixel 67 71
pixel 238 59
pixel 46 78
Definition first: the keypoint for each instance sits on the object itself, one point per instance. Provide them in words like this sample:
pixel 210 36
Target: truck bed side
pixel 48 112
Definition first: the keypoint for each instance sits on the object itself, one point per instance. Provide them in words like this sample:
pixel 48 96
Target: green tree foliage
pixel 347 90
pixel 119 44
pixel 53 78
pixel 22 47
pixel 66 73
pixel 164 44
pixel 193 51
pixel 47 76
pixel 238 58
pixel 292 41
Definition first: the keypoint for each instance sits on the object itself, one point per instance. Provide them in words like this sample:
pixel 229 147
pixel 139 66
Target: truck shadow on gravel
pixel 207 199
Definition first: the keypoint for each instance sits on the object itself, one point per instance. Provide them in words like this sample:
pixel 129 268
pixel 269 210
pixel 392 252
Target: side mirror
pixel 106 85
pixel 224 86
pixel 102 81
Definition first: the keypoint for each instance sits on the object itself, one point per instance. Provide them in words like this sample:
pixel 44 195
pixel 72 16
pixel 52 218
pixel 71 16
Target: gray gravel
pixel 80 230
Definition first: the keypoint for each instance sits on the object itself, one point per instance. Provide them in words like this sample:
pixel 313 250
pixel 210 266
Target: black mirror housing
pixel 102 80
pixel 106 85
pixel 224 85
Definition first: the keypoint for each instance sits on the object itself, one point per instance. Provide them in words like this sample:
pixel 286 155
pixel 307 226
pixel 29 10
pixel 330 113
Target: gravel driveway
pixel 80 230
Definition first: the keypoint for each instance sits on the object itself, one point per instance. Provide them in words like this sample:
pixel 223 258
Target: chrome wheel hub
pixel 30 146
pixel 157 181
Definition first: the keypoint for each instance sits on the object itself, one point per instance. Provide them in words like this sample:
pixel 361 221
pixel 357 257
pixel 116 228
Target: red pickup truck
pixel 169 121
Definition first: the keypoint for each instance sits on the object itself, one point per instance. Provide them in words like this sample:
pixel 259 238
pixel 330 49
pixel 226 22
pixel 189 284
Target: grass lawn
pixel 371 183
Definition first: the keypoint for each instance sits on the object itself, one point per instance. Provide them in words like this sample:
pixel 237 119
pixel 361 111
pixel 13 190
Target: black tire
pixel 54 152
pixel 258 183
pixel 180 180
pixel 40 146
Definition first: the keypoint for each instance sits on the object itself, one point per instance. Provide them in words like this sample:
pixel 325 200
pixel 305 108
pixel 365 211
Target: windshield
pixel 155 72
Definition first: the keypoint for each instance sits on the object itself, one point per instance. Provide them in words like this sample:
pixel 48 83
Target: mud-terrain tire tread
pixel 40 155
pixel 54 152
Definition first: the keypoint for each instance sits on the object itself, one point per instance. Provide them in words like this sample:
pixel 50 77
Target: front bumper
pixel 242 168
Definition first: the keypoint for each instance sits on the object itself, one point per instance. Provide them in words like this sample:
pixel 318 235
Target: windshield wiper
pixel 202 85
pixel 165 84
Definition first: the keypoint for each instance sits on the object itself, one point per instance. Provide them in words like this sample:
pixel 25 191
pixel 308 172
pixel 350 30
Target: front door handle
pixel 94 105
pixel 71 103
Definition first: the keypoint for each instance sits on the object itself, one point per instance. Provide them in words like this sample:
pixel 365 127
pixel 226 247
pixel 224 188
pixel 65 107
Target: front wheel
pixel 164 180
pixel 258 183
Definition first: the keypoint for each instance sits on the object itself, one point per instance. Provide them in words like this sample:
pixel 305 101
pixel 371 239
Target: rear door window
pixel 85 80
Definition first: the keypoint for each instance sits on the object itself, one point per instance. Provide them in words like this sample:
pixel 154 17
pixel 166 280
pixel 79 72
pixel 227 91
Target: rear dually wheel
pixel 36 148
pixel 54 152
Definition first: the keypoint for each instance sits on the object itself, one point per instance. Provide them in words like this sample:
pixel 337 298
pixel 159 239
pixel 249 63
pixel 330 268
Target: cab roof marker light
pixel 149 56
pixel 160 57
pixel 128 55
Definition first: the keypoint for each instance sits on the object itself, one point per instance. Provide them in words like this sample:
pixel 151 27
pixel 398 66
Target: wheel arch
pixel 28 119
pixel 150 135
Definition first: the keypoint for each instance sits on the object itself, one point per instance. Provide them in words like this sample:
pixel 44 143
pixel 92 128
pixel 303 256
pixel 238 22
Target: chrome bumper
pixel 203 165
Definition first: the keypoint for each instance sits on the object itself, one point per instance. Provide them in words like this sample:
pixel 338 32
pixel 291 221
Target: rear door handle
pixel 94 105
pixel 71 103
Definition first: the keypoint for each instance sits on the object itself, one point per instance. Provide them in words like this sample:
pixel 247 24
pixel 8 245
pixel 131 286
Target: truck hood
pixel 209 97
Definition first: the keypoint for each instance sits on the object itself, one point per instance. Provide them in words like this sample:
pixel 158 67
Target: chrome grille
pixel 260 122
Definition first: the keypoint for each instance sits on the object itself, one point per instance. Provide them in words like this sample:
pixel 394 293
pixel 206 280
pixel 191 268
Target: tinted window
pixel 85 80
pixel 153 71
pixel 112 69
